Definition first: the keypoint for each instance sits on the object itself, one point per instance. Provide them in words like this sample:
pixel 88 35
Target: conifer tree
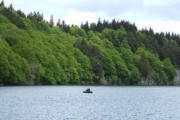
pixel 2 3
pixel 99 25
pixel 11 7
pixel 85 26
pixel 19 12
pixel 51 21
pixel 59 22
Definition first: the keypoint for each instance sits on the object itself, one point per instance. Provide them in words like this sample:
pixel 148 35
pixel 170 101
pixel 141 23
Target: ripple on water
pixel 106 103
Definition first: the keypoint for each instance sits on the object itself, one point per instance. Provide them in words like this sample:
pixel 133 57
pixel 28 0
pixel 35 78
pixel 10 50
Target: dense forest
pixel 36 52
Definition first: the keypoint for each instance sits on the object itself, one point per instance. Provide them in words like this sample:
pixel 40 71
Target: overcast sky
pixel 161 15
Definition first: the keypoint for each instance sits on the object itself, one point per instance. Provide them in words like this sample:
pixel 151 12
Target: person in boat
pixel 88 90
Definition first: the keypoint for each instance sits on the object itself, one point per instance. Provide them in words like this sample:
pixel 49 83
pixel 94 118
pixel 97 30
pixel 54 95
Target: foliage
pixel 108 53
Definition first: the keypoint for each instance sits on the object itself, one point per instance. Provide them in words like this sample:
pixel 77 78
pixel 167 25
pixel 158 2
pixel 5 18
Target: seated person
pixel 88 90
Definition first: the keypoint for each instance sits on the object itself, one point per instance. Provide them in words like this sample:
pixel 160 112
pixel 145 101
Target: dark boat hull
pixel 87 92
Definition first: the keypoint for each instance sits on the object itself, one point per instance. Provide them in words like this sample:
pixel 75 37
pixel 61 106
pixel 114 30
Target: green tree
pixel 170 70
pixel 2 3
pixel 4 69
pixel 74 78
pixel 144 66
pixel 51 22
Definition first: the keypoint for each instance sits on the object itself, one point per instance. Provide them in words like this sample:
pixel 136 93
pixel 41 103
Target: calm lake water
pixel 106 103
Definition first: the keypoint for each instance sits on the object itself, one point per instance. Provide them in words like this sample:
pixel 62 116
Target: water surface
pixel 106 103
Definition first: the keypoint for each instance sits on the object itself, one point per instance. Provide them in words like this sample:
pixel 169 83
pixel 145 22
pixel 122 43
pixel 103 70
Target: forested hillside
pixel 33 51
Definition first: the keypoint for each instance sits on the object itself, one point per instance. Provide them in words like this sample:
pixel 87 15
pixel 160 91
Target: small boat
pixel 87 91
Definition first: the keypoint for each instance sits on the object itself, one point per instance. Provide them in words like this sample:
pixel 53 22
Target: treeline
pixel 165 45
pixel 115 25
pixel 34 51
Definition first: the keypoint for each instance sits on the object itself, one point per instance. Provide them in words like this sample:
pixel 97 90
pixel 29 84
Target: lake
pixel 106 103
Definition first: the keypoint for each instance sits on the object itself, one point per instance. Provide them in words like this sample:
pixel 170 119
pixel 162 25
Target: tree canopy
pixel 34 51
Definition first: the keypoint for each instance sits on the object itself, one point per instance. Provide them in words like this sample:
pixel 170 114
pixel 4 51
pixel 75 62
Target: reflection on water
pixel 106 103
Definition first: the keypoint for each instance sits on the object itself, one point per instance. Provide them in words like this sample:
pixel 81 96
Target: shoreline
pixel 89 86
